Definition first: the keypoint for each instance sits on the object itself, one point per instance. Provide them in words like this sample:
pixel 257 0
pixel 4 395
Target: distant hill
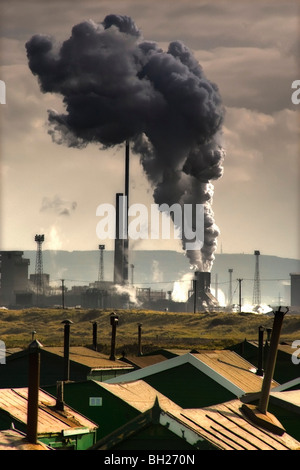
pixel 160 269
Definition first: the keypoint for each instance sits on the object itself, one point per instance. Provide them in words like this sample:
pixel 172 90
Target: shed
pixel 59 429
pixel 85 364
pixel 284 371
pixel 220 427
pixel 201 379
pixel 112 405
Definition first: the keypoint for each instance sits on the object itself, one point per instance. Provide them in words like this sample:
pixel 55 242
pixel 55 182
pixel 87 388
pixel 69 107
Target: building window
pixel 95 401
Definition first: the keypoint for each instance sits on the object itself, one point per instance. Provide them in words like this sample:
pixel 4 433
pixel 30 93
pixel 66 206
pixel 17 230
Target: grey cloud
pixel 58 205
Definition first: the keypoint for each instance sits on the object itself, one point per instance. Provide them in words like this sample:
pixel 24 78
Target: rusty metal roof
pixel 140 395
pixel 14 401
pixel 144 361
pixel 88 357
pixel 12 439
pixel 228 428
pixel 224 426
pixel 224 366
pixel 234 368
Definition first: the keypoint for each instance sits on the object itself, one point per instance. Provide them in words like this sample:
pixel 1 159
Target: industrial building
pixel 14 285
pixel 295 289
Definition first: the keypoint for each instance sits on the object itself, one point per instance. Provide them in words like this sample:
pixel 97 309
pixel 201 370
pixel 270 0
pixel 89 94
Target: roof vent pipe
pixel 272 356
pixel 95 326
pixel 260 370
pixel 33 390
pixel 140 339
pixel 59 395
pixel 67 324
pixel 259 413
pixel 114 320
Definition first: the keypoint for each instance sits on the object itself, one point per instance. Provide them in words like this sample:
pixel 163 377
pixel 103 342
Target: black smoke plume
pixel 117 86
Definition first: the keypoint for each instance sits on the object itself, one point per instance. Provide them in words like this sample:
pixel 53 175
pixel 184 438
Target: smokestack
pixel 33 390
pixel 260 370
pixel 67 324
pixel 202 291
pixel 114 320
pixel 126 241
pixel 140 339
pixel 119 244
pixel 161 92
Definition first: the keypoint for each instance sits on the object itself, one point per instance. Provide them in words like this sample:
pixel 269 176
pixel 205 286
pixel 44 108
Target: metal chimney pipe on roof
pixel 140 339
pixel 114 320
pixel 95 326
pixel 67 324
pixel 260 370
pixel 59 395
pixel 33 390
pixel 266 386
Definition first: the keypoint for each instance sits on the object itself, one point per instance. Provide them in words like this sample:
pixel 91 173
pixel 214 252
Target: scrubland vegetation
pixel 159 329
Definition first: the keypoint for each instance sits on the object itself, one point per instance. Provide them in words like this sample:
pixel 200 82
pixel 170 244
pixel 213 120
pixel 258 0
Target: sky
pixel 250 49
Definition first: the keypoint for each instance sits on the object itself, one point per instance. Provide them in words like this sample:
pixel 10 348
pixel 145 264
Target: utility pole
pixel 63 293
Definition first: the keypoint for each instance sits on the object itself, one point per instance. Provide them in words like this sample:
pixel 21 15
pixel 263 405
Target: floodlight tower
pixel 256 288
pixel 101 264
pixel 39 281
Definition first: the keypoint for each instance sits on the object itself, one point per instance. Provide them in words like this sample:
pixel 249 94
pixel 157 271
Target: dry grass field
pixel 159 329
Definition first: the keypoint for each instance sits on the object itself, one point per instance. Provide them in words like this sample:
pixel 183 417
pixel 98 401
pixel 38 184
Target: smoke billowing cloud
pixel 58 205
pixel 117 86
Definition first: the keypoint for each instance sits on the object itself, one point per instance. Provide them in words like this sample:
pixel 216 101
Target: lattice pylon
pixel 39 281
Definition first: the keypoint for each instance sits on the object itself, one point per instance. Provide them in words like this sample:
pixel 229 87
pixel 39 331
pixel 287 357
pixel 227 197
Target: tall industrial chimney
pixel 126 241
pixel 119 244
pixel 202 294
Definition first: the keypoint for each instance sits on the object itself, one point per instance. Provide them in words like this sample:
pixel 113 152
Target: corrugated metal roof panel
pixel 234 368
pixel 140 395
pixel 14 440
pixel 145 361
pixel 88 357
pixel 227 427
pixel 14 402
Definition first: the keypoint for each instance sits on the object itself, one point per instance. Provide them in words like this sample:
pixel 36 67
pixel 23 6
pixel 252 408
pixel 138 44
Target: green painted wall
pixel 188 387
pixel 112 414
pixel 55 440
